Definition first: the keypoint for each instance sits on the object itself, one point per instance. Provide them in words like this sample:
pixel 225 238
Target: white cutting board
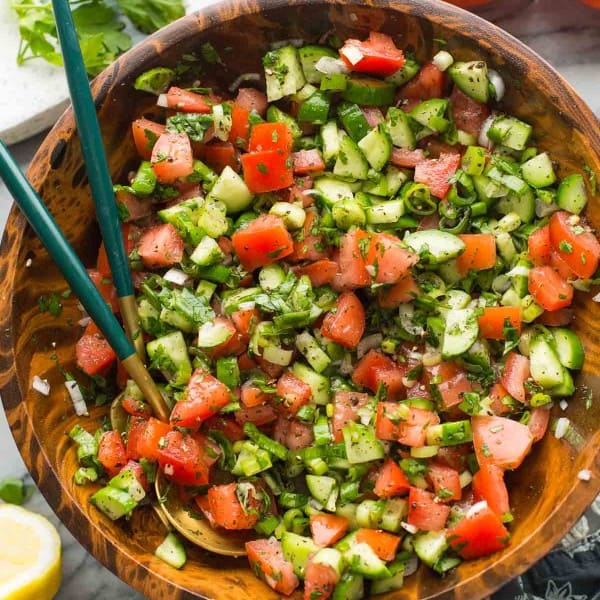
pixel 33 95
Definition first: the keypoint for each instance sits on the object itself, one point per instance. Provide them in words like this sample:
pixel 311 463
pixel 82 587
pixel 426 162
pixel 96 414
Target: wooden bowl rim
pixel 470 26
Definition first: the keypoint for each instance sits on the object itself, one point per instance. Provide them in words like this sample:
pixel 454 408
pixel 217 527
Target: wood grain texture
pixel 546 495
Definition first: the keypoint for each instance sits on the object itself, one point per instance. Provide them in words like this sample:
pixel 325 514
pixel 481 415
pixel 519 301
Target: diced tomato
pixel 399 293
pixel 378 55
pixel 293 391
pixel 424 512
pixel 266 557
pixel 574 243
pixel 265 240
pixel 227 509
pixel 445 480
pixel 232 346
pixel 353 273
pixel 320 580
pixel 94 355
pixel 384 544
pixel 497 394
pixel 538 246
pixel 204 396
pixel 136 408
pixel 307 161
pixel 293 434
pixel 320 272
pixel 390 480
pixel 138 472
pixel 310 246
pixel 345 410
pixel 538 422
pixel 161 246
pixel 246 363
pixel 427 84
pixel 454 456
pixel 271 136
pixel 186 101
pixel 130 237
pixel 219 155
pixel 204 506
pixel 259 415
pixel 375 369
pixel 251 99
pixel 346 325
pixel 407 159
pixel 252 395
pixel 327 529
pixel 240 126
pixel 226 425
pixel 516 373
pixel 145 134
pixel 549 289
pixel 435 173
pixel 131 207
pixel 111 452
pixel 271 369
pixel 144 437
pixel 480 533
pixel 299 189
pixel 453 382
pixel 561 267
pixel 390 426
pixel 106 288
pixel 500 441
pixel 479 252
pixel 493 321
pixel 245 320
pixel 183 460
pixel 389 258
pixel 468 114
pixel 488 485
pixel 172 157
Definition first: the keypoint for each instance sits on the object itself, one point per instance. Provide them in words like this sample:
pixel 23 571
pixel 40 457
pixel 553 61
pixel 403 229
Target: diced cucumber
pixel 319 384
pixel 315 109
pixel 207 252
pixel 353 120
pixel 369 512
pixel 437 246
pixel 232 300
pixel 113 502
pixel 393 514
pixel 568 347
pixel 333 190
pixel 545 365
pixel 331 557
pixel 362 560
pixel 510 132
pixel 348 213
pixel 172 551
pixel 271 277
pixel 231 190
pixel 170 354
pixel 276 115
pixel 566 388
pixel 283 73
pixel 176 319
pixel 572 194
pixel 213 334
pixel 471 78
pixel 126 481
pixel 377 147
pixel 523 205
pixel 293 214
pixel 222 120
pixel 351 162
pixel 154 81
pixel 251 460
pixel 460 333
pixel 368 91
pixel 309 57
pixel 399 128
pixel 451 433
pixel 87 447
pixel 408 70
pixel 350 587
pixel 385 213
pixel 539 171
pixel 473 160
pixel 430 546
pixel 184 217
pixel 392 583
pixel 348 511
pixel 324 489
pixel 395 178
pixel 331 142
pixel 297 549
pixel 361 443
pixel 430 114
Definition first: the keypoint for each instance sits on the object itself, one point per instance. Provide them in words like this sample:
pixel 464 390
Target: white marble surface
pixel 564 32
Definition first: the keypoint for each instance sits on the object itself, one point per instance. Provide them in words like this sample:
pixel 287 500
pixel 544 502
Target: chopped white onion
pixel 296 42
pixel 431 358
pixel 28 262
pixel 465 479
pixel 76 398
pixel 408 527
pixel 40 385
pixel 331 66
pixel 543 209
pixel 346 365
pixel 414 355
pixel 169 470
pixel 563 405
pixel 162 101
pixel 477 507
pixel 353 54
pixel 408 383
pixel 562 426
pixel 84 321
pixel 497 83
pixel 411 566
pixel 483 139
pixel 242 79
pixel 250 305
pixel 443 60
pixel 176 276
pixel 368 343
pixel 584 475
pixel 596 298
pixel 371 270
pixel 519 270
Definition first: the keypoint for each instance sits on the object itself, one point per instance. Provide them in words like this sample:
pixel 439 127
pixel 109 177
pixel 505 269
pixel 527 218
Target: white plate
pixel 35 94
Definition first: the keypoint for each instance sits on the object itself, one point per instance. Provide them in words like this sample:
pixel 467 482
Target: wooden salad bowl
pixel 546 495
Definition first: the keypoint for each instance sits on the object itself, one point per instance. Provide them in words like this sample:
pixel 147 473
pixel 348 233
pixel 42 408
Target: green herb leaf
pixel 150 15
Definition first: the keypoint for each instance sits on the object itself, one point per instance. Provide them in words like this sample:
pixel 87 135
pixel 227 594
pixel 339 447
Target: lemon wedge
pixel 29 555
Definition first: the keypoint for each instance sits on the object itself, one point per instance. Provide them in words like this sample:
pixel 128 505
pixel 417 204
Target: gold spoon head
pixel 199 531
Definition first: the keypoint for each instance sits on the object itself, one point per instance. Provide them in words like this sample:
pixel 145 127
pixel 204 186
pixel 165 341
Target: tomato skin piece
pixel 390 480
pixel 454 382
pixel 379 55
pixel 319 580
pixel 226 425
pixel 468 114
pixel 446 482
pixel 427 84
pixel 352 272
pixel 307 161
pixel 538 422
pixel 94 354
pixel 145 134
pixel 136 408
pixel 293 434
pixel 172 157
pixel 252 395
pixel 374 369
pixel 346 325
pixel 111 452
pixel 480 533
pixel 245 320
pixel 424 512
pixel 561 267
pixel 389 259
pixel 549 289
pixel 267 171
pixel 219 155
pixel 584 247
pixel 294 392
pixel 271 136
pixel 479 253
pixel 182 460
pixel 265 240
pixel 251 99
pixel 405 158
pixel 410 432
pixel 539 247
pixel 227 510
pixel 399 293
pixel 310 247
pixel 500 441
pixel 161 246
pixel 435 173
pixel 144 437
pixel 491 322
pixel 345 410
pixel 320 272
pixel 204 396
pixel 516 373
pixel 327 529
pixel 186 101
pixel 267 558
pixel 259 415
pixel 488 485
pixel 497 394
pixel 384 544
